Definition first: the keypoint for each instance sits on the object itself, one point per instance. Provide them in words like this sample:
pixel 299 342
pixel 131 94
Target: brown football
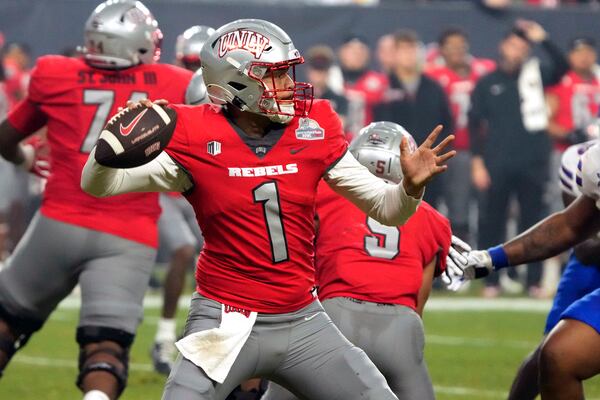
pixel 136 136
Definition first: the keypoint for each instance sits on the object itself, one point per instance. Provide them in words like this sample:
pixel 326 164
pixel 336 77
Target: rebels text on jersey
pixel 256 212
pixel 360 258
pixel 75 101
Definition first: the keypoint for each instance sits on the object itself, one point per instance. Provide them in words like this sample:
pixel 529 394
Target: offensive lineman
pixel 107 246
pixel 379 310
pixel 251 170
pixel 179 234
pixel 571 351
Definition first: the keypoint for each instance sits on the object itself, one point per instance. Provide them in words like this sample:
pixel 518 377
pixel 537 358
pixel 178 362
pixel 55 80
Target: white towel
pixel 531 91
pixel 215 350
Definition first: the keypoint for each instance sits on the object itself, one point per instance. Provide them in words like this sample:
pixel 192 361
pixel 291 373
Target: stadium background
pixel 474 346
pixel 50 25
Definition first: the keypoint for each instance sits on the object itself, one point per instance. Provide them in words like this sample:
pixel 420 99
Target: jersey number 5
pixel 104 100
pixel 390 236
pixel 268 194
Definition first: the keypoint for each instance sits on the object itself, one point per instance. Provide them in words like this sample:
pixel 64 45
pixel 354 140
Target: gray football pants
pixel 53 257
pixel 177 225
pixel 392 336
pixel 302 351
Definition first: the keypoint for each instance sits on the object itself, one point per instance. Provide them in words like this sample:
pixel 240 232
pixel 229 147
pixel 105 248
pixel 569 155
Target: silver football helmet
pixel 239 63
pixel 196 91
pixel 189 44
pixel 121 34
pixel 378 148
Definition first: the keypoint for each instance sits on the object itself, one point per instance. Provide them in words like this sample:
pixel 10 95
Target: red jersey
pixel 458 89
pixel 360 258
pixel 75 101
pixel 578 103
pixel 256 213
pixel 362 96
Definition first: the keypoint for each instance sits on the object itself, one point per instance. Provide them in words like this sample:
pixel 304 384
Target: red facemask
pixel 302 92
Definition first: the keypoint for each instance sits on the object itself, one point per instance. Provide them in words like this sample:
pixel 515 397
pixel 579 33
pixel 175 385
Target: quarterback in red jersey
pixel 250 169
pixel 374 280
pixel 107 246
pixel 457 72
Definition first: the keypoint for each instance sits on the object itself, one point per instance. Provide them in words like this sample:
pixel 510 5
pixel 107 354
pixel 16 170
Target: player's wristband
pixel 498 256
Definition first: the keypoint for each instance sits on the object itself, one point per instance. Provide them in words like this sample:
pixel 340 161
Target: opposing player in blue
pixel 570 353
pixel 580 277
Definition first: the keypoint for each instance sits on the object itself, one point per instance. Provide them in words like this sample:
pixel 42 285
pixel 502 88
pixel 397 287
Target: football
pixel 134 137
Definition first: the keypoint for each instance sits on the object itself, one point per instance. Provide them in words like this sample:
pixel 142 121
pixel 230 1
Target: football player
pixel 571 351
pixel 580 277
pixel 107 246
pixel 250 169
pixel 457 74
pixel 379 310
pixel 179 233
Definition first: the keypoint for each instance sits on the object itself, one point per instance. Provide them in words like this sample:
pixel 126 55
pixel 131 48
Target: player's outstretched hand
pixel 422 165
pixel 475 264
pixel 453 277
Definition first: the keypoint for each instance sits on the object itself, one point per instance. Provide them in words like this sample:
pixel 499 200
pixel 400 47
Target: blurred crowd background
pixel 517 82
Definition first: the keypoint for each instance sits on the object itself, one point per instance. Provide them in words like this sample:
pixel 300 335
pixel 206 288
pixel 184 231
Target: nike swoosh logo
pixel 296 151
pixel 126 130
pixel 310 317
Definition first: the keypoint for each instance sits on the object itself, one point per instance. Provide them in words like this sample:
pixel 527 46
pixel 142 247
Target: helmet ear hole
pixel 237 86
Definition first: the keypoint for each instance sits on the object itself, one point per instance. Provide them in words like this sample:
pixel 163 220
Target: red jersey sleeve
pixel 335 139
pixel 48 79
pixel 27 118
pixel 179 146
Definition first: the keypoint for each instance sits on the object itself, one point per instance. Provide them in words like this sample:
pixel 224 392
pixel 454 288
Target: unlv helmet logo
pixel 250 41
pixel 376 139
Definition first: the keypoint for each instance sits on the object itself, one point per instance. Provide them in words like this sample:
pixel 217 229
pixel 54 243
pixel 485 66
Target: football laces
pixel 118 115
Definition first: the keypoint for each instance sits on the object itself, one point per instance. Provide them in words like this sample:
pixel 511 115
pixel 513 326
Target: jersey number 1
pixel 391 240
pixel 268 194
pixel 104 100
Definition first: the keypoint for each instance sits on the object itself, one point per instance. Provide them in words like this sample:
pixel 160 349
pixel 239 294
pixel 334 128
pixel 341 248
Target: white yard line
pixel 434 304
pixel 479 304
pixel 71 364
pixel 140 367
pixel 463 391
pixel 477 342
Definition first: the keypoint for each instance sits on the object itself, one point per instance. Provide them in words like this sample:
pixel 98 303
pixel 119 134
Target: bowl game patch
pixel 309 129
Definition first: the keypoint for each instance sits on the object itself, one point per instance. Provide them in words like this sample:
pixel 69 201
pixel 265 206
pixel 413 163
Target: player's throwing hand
pixel 422 165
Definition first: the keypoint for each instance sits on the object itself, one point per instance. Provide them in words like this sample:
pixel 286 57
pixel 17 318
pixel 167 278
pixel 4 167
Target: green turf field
pixel 471 354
